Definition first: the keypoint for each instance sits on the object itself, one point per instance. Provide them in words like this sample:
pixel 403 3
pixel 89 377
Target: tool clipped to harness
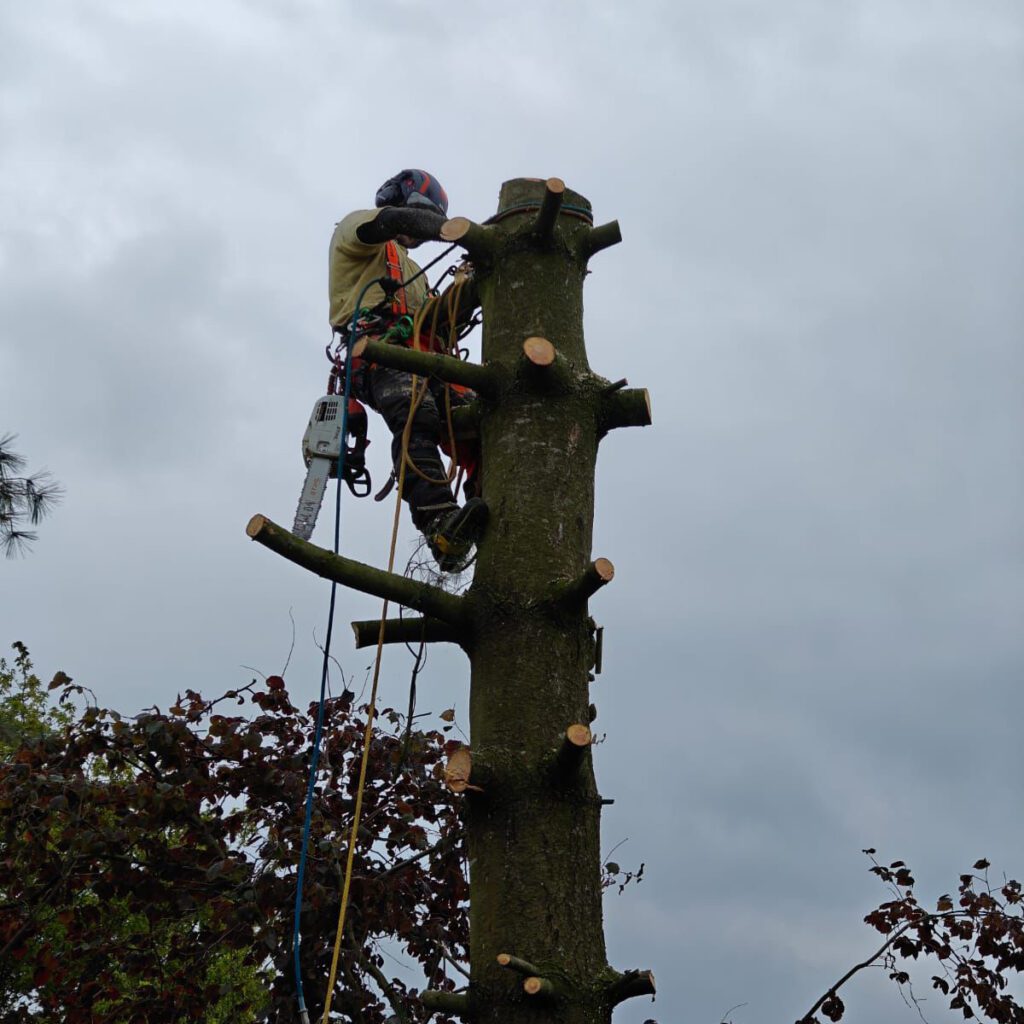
pixel 356 475
pixel 321 448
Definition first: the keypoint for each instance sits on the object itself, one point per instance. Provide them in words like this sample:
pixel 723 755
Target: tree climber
pixel 369 245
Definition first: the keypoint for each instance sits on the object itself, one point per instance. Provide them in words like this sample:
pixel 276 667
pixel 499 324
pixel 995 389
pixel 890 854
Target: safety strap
pixel 394 265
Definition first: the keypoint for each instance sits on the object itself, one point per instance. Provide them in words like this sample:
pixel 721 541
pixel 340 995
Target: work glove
pixel 393 221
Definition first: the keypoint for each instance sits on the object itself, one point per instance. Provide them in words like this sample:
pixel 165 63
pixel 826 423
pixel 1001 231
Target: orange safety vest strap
pixel 394 264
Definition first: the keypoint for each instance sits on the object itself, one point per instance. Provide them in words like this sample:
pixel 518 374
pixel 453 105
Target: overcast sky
pixel 813 641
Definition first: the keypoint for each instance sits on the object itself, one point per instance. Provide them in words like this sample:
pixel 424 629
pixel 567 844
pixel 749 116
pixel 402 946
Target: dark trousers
pixel 390 393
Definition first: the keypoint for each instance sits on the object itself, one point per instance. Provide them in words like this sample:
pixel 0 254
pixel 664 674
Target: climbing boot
pixel 453 533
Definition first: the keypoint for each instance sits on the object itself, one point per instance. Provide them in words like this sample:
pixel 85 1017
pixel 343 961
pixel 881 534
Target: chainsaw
pixel 322 447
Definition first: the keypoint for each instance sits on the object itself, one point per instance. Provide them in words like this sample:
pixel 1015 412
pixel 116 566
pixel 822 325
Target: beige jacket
pixel 353 264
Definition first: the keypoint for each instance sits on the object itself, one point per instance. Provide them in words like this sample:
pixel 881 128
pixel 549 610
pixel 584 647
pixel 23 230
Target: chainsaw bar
pixel 312 497
pixel 321 446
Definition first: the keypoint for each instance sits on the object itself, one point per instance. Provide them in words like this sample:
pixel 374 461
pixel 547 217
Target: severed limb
pixel 573 593
pixel 536 986
pixel 461 767
pixel 477 240
pixel 455 1003
pixel 626 407
pixel 575 741
pixel 431 601
pixel 629 985
pixel 601 238
pixel 544 363
pixel 544 225
pixel 482 379
pixel 513 963
pixel 406 631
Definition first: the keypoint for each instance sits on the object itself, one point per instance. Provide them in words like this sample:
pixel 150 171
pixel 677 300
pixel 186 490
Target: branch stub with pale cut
pixel 514 963
pixel 474 238
pixel 547 215
pixel 573 593
pixel 458 770
pixel 575 742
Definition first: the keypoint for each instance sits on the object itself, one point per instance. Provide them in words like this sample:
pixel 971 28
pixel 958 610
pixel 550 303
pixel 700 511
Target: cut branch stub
pixel 513 963
pixel 539 351
pixel 544 225
pixel 626 407
pixel 455 1003
pixel 630 985
pixel 474 238
pixel 535 986
pixel 602 238
pixel 575 742
pixel 458 770
pixel 576 592
pixel 423 597
pixel 543 363
pixel 427 364
pixel 406 631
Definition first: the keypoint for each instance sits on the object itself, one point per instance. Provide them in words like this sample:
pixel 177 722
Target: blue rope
pixel 306 827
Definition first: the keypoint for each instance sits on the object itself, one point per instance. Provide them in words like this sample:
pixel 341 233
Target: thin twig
pixel 385 986
pixel 448 956
pixel 446 841
pixel 288 660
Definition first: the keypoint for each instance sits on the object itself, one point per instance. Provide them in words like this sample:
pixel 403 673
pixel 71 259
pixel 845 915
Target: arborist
pixel 369 246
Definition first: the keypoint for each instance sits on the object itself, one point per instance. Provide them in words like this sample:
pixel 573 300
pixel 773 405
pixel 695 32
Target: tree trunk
pixel 532 804
pixel 534 842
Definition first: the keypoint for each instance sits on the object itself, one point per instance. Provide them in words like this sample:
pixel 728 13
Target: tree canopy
pixel 147 870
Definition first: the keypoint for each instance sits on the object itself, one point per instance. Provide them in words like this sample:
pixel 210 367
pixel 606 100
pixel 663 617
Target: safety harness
pixel 397 323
